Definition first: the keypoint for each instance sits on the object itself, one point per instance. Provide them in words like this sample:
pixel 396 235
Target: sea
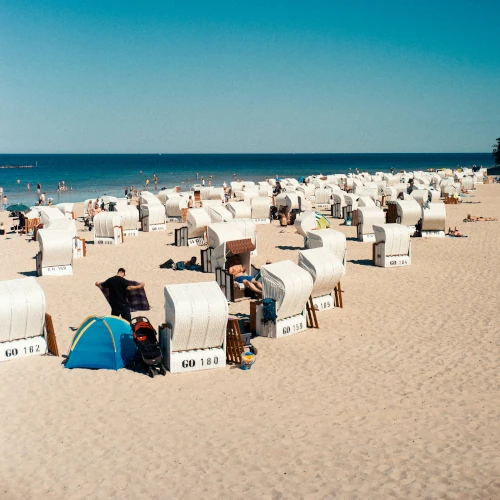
pixel 92 175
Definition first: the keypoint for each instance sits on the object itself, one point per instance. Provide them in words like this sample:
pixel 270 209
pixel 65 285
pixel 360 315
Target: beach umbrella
pixel 321 221
pixel 17 207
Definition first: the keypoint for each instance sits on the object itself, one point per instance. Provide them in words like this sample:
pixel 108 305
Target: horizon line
pixel 264 153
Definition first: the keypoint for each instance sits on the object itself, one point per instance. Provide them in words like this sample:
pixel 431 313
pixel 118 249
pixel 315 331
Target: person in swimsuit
pixel 240 274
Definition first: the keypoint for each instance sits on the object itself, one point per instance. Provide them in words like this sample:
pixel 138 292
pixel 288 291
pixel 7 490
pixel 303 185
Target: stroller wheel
pixel 163 371
pixel 151 372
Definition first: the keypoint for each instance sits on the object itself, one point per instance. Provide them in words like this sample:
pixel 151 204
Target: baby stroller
pixel 147 345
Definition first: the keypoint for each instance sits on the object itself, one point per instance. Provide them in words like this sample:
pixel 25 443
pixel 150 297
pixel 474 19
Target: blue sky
pixel 139 77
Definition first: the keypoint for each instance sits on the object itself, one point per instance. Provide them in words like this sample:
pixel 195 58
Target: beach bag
pixel 180 266
pixel 169 264
pixel 268 310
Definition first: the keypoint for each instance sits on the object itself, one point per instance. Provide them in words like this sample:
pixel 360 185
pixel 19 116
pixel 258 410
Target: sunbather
pixel 456 233
pixel 476 218
pixel 240 276
pixel 192 265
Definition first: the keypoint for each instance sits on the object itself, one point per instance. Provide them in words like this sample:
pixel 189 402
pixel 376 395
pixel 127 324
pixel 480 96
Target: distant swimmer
pixel 38 188
pixel 147 182
pixel 196 175
pixel 140 171
pixel 28 186
pixel 18 181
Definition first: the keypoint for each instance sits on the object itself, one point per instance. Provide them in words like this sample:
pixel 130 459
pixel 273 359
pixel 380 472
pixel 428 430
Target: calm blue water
pixel 95 175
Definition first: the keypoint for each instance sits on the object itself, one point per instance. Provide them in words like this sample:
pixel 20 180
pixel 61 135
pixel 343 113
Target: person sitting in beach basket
pixel 240 276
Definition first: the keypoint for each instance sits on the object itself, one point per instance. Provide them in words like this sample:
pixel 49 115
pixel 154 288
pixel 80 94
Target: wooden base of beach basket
pixel 311 318
pixel 234 342
pixel 51 336
pixel 337 294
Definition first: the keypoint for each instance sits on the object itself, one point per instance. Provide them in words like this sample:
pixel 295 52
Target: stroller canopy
pixel 105 342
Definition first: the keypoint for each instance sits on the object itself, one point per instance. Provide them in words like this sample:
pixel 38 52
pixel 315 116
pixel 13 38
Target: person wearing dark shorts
pixel 117 287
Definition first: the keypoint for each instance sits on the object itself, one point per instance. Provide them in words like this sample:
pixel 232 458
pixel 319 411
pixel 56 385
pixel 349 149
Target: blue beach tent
pixel 105 342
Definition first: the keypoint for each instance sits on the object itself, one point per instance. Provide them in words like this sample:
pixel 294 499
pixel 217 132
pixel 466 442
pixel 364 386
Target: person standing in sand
pixel 117 287
pixel 191 202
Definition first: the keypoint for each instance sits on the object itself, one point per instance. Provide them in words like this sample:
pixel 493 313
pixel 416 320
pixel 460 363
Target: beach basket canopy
pixel 198 315
pixel 289 285
pixel 22 309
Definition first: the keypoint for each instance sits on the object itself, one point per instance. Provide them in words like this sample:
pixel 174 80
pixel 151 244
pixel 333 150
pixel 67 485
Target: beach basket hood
pixel 22 309
pixel 434 217
pixel 56 246
pixel 240 209
pixel 198 315
pixel 309 221
pixel 197 220
pixel 325 268
pixel 129 216
pixel 261 207
pixel 289 285
pixel 396 238
pixel 105 223
pixel 219 214
pixel 48 215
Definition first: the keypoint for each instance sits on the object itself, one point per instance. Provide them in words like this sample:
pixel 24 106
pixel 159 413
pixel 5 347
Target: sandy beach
pixel 395 396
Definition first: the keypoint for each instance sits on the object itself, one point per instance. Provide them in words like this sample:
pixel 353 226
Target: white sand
pixel 396 396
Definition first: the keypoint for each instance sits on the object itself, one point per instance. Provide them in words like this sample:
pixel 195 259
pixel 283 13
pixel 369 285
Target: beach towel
pixel 137 300
pixel 268 310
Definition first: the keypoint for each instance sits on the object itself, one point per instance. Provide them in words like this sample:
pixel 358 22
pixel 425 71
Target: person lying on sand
pixel 240 276
pixel 192 265
pixel 476 218
pixel 455 233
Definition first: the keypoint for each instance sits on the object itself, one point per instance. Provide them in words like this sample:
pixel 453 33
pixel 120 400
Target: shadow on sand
pixel 287 247
pixel 361 262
